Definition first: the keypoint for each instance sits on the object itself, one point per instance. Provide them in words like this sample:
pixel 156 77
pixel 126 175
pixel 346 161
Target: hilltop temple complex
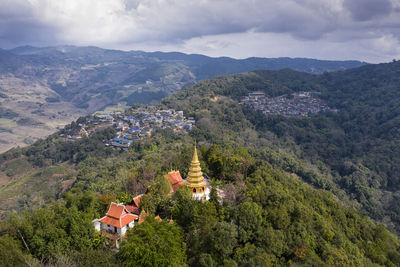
pixel 195 181
pixel 120 217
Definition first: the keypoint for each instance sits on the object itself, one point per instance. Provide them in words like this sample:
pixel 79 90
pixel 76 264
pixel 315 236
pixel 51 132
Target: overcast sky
pixel 367 30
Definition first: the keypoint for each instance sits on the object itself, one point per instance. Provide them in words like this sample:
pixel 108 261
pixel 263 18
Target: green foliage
pixel 153 243
pixel 52 232
pixel 11 252
pixel 55 150
pixel 60 234
pixel 249 219
pixel 156 200
pixel 183 207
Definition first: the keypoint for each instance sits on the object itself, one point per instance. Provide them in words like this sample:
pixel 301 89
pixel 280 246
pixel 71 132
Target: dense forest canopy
pixel 268 217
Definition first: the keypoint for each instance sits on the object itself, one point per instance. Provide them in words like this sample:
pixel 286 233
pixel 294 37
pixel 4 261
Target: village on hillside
pixel 140 123
pixel 300 104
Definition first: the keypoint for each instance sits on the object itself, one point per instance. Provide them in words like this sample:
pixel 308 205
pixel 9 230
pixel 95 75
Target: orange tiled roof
pixel 128 218
pixel 115 210
pixel 131 208
pixel 116 216
pixel 134 206
pixel 175 179
pixel 111 221
pixel 137 200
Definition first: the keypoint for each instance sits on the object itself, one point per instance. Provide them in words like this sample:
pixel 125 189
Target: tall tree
pixel 153 243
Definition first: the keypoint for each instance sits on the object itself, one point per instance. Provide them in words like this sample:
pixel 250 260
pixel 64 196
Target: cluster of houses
pixel 123 216
pixel 133 124
pixel 91 125
pixel 142 122
pixel 300 104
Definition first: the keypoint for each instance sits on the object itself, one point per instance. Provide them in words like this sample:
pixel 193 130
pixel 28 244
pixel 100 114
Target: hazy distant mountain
pixel 50 86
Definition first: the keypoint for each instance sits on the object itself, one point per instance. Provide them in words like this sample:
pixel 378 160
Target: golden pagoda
pixel 195 180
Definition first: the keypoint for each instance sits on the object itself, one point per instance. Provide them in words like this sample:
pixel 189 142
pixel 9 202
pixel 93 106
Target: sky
pixel 366 30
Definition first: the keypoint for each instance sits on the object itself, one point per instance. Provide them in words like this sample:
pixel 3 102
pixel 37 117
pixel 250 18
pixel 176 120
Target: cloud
pixel 177 24
pixel 363 10
pixel 19 25
pixel 276 45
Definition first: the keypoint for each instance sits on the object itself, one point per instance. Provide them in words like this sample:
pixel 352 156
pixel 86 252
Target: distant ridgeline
pixel 102 77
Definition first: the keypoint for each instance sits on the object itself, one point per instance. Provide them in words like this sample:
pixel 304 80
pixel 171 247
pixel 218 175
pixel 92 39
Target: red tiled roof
pixel 115 210
pixel 175 179
pixel 133 207
pixel 128 218
pixel 116 216
pixel 110 221
pixel 137 200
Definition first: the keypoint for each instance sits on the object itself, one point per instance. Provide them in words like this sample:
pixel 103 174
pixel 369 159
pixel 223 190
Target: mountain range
pixel 42 89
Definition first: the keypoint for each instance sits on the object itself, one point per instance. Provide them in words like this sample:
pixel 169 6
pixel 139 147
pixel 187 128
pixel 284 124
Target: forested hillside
pixel 268 217
pixel 356 147
pixel 270 214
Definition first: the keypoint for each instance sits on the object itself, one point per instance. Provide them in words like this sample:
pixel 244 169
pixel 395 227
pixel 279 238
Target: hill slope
pixel 268 217
pixel 355 147
pixel 46 88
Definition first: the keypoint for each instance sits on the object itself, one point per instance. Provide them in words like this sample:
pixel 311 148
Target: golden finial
pixel 195 158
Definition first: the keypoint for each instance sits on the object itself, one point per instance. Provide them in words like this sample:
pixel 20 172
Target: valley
pixel 47 88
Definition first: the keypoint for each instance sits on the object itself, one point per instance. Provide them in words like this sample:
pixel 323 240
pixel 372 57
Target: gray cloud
pixel 363 10
pixel 18 25
pixel 176 24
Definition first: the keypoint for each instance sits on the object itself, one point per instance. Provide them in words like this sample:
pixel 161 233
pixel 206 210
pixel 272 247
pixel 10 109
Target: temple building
pixel 175 180
pixel 134 206
pixel 195 180
pixel 117 220
pixel 120 218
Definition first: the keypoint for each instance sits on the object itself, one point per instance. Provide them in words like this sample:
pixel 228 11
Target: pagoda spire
pixel 195 158
pixel 195 180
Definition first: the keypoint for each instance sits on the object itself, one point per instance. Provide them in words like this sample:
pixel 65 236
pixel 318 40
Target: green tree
pixel 11 252
pixel 224 239
pixel 156 200
pixel 153 243
pixel 249 220
pixel 183 209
